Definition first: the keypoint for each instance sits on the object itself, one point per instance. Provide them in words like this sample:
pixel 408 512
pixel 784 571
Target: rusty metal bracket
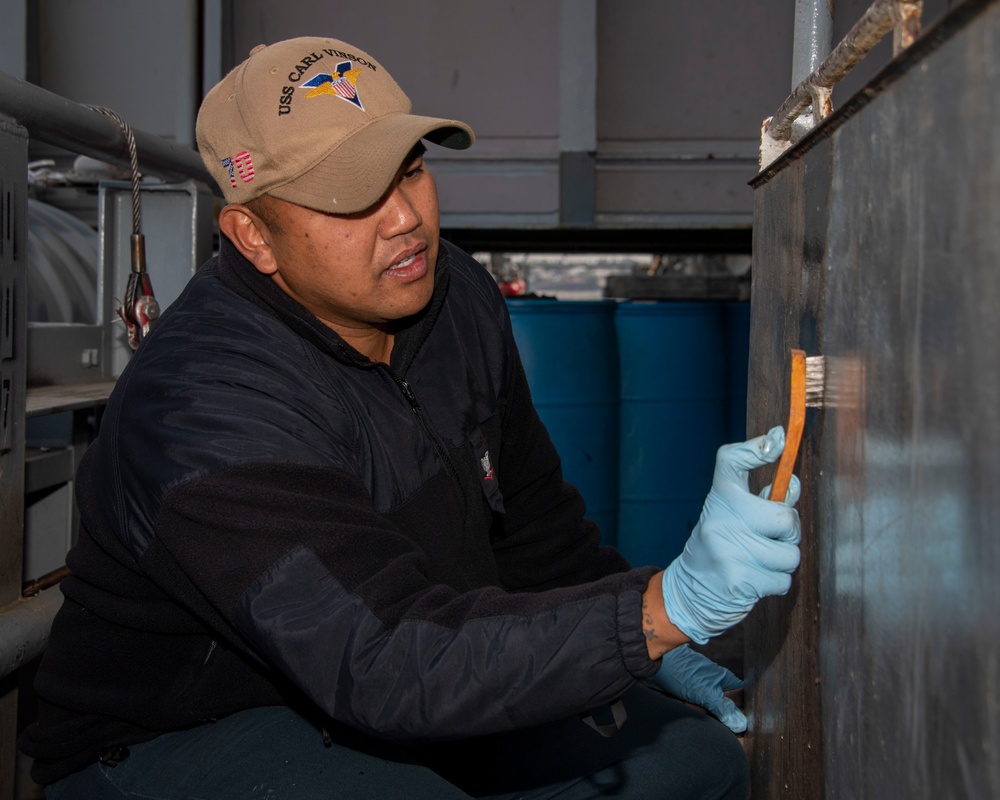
pixel 900 16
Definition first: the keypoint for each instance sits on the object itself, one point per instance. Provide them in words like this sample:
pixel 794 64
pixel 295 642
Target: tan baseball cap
pixel 313 121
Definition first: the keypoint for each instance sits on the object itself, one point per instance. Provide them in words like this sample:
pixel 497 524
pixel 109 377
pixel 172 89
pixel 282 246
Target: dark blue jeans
pixel 665 750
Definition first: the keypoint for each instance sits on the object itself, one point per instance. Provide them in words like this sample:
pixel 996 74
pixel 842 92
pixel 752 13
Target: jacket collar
pixel 241 276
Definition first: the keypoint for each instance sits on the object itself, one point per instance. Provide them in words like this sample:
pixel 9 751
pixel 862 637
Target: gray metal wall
pixel 138 57
pixel 875 245
pixel 591 114
pixel 673 109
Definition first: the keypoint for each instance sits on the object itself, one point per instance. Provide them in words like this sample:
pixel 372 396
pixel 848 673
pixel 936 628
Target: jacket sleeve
pixel 326 591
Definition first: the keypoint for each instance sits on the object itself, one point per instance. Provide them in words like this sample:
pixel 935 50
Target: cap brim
pixel 358 172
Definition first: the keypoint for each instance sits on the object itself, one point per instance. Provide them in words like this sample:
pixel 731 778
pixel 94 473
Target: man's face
pixel 360 272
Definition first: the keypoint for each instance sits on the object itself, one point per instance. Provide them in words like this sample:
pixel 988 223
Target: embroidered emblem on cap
pixel 344 85
pixel 240 163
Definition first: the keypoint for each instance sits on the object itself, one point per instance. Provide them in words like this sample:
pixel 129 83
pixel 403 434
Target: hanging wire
pixel 133 157
pixel 139 309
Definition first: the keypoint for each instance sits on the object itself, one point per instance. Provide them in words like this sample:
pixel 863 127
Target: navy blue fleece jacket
pixel 269 517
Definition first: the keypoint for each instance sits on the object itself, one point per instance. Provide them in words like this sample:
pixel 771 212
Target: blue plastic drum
pixel 571 360
pixel 673 362
pixel 737 327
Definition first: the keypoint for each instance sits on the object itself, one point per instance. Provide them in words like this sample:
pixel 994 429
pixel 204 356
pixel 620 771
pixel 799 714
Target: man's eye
pixel 413 172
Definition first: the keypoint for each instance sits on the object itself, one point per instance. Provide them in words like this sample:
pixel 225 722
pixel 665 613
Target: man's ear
pixel 249 234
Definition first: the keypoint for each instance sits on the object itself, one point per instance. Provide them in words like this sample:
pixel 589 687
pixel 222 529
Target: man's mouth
pixel 409 267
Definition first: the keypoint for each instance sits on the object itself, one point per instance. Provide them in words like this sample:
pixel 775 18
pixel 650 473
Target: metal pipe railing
pixel 80 129
pixel 900 16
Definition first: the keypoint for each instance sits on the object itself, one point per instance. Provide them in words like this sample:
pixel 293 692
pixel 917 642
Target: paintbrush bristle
pixel 833 381
pixel 815 381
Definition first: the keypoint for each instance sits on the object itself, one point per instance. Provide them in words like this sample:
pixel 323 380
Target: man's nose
pixel 399 214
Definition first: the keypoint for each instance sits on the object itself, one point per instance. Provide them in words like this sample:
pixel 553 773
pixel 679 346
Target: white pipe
pixel 24 628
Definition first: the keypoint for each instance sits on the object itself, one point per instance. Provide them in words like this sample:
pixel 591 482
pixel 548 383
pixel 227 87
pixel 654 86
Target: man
pixel 326 548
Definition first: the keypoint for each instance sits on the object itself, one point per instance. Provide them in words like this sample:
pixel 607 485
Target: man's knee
pixel 731 768
pixel 689 753
pixel 723 770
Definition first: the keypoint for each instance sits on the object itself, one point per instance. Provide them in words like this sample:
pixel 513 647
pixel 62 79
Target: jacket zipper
pixel 442 452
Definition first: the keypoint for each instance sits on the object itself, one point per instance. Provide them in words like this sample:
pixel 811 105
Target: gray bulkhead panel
pixel 876 245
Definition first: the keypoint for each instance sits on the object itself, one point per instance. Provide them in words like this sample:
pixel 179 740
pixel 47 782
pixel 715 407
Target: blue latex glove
pixel 743 548
pixel 693 678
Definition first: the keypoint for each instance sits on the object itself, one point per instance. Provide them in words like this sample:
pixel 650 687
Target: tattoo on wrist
pixel 648 628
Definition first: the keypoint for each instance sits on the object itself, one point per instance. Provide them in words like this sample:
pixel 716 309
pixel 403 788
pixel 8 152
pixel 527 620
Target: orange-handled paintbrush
pixel 793 432
pixel 808 386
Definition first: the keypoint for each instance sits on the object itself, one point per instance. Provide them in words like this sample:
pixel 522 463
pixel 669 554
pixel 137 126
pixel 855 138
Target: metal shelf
pixel 43 400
